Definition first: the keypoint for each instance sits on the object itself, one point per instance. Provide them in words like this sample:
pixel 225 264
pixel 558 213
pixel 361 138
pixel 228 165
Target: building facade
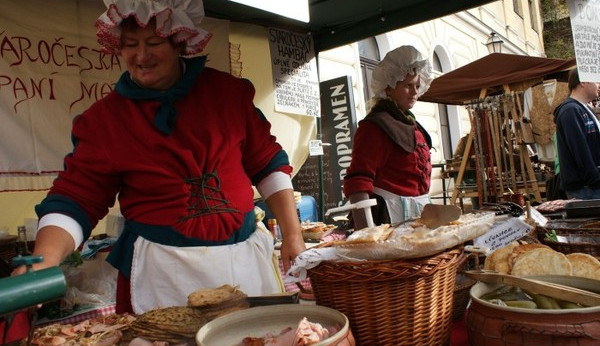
pixel 449 43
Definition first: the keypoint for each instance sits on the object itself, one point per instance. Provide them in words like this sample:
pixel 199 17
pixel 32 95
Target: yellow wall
pixel 15 207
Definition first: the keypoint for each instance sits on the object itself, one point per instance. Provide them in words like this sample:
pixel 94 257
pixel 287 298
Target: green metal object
pixel 32 288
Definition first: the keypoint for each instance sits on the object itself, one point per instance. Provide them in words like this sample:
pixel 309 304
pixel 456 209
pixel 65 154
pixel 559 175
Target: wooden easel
pixel 506 174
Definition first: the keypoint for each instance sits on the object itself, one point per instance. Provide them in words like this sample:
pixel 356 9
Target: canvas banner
pixel 52 69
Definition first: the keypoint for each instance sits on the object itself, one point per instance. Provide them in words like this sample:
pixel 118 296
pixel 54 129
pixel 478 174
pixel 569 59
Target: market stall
pixel 447 259
pixel 497 152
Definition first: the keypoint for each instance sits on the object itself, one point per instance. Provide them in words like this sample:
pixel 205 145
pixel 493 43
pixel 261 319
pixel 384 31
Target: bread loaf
pixel 370 234
pixel 225 295
pixel 498 260
pixel 541 261
pixel 585 265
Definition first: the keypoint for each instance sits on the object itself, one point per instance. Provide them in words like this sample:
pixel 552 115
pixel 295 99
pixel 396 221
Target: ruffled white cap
pixel 177 18
pixel 396 65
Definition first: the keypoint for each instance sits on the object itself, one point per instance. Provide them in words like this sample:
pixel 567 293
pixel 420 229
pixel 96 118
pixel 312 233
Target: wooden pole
pixel 509 140
pixel 497 145
pixel 528 167
pixel 461 170
pixel 523 156
pixel 482 192
pixel 490 161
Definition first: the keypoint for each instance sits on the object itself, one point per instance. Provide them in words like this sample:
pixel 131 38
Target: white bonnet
pixel 179 18
pixel 396 65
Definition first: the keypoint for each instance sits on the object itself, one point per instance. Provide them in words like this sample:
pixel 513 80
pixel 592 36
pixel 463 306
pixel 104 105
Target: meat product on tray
pixel 549 207
pixel 99 331
pixel 305 333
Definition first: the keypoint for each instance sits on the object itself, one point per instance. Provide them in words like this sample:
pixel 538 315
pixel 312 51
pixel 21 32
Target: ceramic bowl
pixel 231 329
pixel 491 324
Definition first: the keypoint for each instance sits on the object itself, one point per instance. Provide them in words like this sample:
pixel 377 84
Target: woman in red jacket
pixel 390 156
pixel 180 145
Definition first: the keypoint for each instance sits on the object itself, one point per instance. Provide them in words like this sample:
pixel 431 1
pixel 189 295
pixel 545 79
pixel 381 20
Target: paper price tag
pixel 538 217
pixel 315 148
pixel 503 234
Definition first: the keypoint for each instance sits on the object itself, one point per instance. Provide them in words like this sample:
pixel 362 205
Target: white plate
pixel 231 329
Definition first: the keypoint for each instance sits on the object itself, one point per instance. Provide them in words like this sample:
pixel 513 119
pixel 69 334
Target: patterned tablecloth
pixel 292 287
pixel 327 237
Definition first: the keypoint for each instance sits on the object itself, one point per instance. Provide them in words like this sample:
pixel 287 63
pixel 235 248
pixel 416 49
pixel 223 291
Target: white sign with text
pixel 503 234
pixel 295 77
pixel 585 25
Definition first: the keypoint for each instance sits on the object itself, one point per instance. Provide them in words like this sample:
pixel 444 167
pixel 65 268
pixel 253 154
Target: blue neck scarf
pixel 166 116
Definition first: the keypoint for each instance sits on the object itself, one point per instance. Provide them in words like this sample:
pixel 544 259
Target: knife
pixel 273 299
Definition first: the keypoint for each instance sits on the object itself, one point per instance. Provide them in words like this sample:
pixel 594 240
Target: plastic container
pixel 307 209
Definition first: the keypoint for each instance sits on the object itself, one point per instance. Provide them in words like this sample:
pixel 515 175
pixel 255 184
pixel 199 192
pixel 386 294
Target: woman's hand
pixel 291 246
pixel 283 206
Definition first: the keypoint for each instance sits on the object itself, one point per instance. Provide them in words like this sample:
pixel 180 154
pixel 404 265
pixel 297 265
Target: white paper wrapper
pixel 312 258
pixel 410 240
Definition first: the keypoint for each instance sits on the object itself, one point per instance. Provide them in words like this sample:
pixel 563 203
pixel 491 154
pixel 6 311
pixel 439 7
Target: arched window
pixel 369 58
pixel 443 114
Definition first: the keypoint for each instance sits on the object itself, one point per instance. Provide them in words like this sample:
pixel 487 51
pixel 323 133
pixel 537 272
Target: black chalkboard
pixel 307 181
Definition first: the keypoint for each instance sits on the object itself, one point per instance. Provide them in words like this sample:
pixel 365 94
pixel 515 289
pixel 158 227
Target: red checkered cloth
pixel 292 287
pixel 80 317
pixel 331 235
pixel 18 327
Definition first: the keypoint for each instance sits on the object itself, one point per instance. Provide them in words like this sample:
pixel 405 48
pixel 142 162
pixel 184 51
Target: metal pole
pixel 321 198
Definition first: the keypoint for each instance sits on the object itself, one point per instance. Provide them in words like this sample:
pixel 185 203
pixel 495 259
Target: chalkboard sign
pixel 307 182
pixel 307 179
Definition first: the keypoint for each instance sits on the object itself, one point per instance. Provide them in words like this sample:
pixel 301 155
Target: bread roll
pixel 498 260
pixel 221 296
pixel 520 249
pixel 541 261
pixel 585 265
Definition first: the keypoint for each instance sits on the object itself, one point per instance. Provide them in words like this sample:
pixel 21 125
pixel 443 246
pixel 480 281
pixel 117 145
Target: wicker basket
pixel 566 248
pixel 392 302
pixel 463 284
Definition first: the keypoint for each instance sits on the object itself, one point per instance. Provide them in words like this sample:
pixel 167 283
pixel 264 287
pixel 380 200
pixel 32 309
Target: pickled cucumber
pixel 515 297
pixel 545 302
pixel 507 293
pixel 568 305
pixel 526 304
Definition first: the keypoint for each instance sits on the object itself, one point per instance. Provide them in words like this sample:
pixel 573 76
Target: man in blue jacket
pixel 578 140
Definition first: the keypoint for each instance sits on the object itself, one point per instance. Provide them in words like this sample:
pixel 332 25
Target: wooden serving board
pixel 550 289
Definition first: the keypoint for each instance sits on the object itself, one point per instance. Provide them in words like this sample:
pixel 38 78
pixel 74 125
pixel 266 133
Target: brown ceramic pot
pixel 489 324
